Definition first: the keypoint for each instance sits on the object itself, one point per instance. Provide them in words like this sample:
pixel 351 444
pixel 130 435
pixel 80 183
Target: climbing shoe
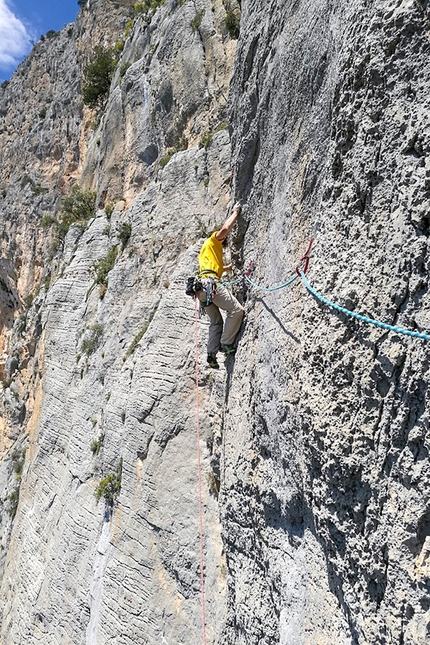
pixel 212 362
pixel 227 349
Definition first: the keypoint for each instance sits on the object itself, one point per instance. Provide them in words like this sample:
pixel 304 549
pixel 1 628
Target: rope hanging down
pixel 199 473
pixel 301 271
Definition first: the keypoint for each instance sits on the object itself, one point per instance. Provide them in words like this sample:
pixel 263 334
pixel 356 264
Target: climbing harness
pixel 194 285
pixel 210 288
pixel 199 474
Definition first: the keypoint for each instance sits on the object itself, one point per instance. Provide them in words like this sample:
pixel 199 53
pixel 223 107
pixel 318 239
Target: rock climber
pixel 215 296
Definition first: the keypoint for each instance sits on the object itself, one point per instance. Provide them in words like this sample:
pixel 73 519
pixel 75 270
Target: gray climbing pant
pixel 220 332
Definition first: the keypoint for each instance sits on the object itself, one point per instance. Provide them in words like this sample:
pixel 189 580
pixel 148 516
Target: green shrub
pixel 205 140
pixel 96 444
pixel 5 84
pixel 165 160
pixel 47 221
pixel 109 208
pixel 91 342
pixel 104 266
pixel 136 340
pixel 128 28
pixel 51 33
pixel 98 76
pixel 118 47
pixel 182 144
pixel 7 382
pixel 28 300
pixel 25 179
pixel 146 5
pixel 17 459
pixel 38 189
pixel 110 486
pixel 232 22
pixel 79 206
pixel 21 325
pixel 13 500
pixel 124 234
pixel 43 112
pixel 35 188
pixel 197 20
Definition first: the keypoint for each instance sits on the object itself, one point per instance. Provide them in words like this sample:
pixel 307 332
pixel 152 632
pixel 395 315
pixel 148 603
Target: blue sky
pixel 23 22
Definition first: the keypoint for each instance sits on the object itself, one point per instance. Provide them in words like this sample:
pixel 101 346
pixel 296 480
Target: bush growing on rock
pixel 47 221
pixel 181 145
pixel 92 340
pixel 197 20
pixel 109 209
pixel 128 28
pixel 79 206
pixel 104 266
pixel 17 459
pixel 124 234
pixel 13 500
pixel 96 444
pixel 205 140
pixel 98 76
pixel 146 5
pixel 110 486
pixel 136 340
pixel 232 22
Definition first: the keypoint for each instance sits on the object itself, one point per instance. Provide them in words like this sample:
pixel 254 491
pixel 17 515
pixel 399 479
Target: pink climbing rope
pixel 199 473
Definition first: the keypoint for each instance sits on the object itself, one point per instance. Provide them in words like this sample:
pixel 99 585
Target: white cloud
pixel 14 38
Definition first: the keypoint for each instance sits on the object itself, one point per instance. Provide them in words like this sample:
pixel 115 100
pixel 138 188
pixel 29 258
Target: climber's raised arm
pixel 228 224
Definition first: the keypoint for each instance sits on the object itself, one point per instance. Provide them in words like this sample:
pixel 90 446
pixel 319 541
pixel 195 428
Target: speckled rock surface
pixel 316 510
pixel 335 457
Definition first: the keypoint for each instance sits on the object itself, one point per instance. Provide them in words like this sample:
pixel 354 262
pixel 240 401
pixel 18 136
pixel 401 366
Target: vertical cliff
pixel 315 436
pixel 325 504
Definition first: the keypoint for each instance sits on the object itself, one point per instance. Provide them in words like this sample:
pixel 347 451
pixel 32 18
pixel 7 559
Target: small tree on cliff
pixel 98 76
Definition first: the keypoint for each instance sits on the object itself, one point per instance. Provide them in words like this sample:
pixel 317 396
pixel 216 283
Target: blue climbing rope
pixel 227 284
pixel 406 332
pixel 279 286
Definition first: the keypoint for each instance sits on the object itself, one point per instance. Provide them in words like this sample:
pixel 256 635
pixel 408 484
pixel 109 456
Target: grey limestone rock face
pixel 142 553
pixel 334 455
pixel 314 437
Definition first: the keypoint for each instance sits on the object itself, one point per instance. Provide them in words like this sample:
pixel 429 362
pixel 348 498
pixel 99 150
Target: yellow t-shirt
pixel 210 257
